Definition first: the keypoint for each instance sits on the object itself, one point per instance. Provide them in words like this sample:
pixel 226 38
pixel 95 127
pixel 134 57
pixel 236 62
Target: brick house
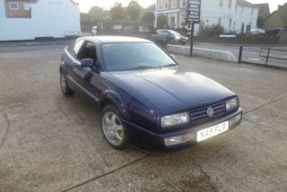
pixel 264 10
pixel 19 9
pixel 278 19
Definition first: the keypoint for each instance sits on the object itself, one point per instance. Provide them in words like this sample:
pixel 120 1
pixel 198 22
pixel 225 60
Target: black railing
pixel 269 50
pixel 264 54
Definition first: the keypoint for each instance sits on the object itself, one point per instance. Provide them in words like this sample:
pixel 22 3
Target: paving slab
pixel 214 165
pixel 49 142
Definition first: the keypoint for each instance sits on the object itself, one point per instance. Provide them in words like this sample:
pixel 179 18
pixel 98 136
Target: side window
pixel 88 51
pixel 166 33
pixel 75 48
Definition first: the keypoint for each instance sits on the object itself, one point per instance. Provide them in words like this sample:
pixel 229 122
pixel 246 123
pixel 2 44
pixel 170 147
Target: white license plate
pixel 212 131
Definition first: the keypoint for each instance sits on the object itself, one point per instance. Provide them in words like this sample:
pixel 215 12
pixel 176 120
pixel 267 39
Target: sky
pixel 85 5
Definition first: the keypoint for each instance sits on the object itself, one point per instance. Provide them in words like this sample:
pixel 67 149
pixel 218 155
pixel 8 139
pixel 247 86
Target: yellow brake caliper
pixel 121 133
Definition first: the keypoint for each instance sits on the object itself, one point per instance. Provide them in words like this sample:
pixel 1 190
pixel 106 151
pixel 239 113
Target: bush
pixel 213 30
pixel 161 21
pixel 182 31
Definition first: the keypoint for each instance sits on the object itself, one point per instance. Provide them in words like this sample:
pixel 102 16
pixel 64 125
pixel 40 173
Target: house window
pixel 221 3
pixel 183 19
pixel 242 10
pixel 160 4
pixel 183 3
pixel 229 4
pixel 219 21
pixel 27 6
pixel 230 23
pixel 166 4
pixel 14 6
pixel 252 11
pixel 174 4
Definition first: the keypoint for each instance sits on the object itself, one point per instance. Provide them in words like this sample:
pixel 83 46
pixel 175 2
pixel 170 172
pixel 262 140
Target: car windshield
pixel 134 56
pixel 175 33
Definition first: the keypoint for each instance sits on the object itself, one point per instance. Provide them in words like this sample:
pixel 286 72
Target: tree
pixel 260 21
pixel 95 13
pixel 161 21
pixel 85 21
pixel 133 10
pixel 148 19
pixel 279 6
pixel 117 11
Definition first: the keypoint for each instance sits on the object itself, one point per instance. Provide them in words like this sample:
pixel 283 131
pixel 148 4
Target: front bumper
pixel 188 135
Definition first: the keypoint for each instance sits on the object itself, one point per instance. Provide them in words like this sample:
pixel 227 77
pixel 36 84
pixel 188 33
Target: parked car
pixel 141 91
pixel 257 31
pixel 129 28
pixel 173 37
pixel 276 32
pixel 94 31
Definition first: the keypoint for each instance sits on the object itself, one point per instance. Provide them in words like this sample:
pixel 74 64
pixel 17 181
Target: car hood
pixel 170 90
pixel 183 37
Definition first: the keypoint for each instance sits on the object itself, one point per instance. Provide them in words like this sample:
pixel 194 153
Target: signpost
pixel 193 16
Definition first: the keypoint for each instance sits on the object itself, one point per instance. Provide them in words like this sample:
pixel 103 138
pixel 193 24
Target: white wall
pixel 211 11
pixel 245 17
pixel 50 18
pixel 2 9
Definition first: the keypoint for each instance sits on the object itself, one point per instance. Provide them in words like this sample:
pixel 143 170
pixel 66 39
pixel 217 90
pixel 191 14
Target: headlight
pixel 176 119
pixel 177 37
pixel 232 104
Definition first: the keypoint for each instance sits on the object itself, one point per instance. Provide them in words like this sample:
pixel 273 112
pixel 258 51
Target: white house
pixel 29 19
pixel 233 15
pixel 245 14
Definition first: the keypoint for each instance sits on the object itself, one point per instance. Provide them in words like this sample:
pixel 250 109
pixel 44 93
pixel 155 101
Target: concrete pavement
pixel 52 143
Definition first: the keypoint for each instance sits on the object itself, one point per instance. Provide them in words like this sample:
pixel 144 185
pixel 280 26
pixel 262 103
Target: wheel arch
pixel 112 98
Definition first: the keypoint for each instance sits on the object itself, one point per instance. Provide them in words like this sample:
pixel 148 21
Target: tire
pixel 113 128
pixel 66 89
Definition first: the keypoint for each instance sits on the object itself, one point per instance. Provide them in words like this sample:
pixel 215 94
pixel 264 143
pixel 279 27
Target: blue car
pixel 142 92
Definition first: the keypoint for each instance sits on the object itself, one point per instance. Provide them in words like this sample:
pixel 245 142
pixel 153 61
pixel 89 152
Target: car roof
pixel 115 39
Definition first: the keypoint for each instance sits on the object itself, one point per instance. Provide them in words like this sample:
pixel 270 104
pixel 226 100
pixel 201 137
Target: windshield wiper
pixel 170 65
pixel 143 67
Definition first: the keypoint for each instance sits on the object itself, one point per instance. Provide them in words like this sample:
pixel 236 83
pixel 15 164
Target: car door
pixel 85 79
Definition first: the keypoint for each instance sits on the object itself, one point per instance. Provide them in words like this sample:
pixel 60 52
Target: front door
pixel 85 79
pixel 242 28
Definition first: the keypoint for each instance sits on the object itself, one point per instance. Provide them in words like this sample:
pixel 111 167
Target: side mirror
pixel 87 62
pixel 172 56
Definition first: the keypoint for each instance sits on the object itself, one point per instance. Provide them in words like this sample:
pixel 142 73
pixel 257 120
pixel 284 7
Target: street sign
pixel 193 16
pixel 193 11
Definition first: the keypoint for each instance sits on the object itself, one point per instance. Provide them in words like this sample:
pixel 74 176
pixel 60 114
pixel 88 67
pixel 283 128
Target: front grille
pixel 200 114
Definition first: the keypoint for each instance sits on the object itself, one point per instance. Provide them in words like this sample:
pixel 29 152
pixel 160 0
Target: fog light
pixel 169 141
pixel 235 120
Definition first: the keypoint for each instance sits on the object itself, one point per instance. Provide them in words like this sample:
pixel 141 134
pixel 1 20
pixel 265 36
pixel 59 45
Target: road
pixel 251 53
pixel 49 142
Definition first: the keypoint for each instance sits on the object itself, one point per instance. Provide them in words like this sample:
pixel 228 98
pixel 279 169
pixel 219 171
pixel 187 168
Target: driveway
pixel 52 143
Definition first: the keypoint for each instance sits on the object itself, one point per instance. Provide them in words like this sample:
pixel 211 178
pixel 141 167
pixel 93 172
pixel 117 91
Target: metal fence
pixel 268 56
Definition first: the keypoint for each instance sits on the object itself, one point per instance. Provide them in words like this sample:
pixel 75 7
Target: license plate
pixel 212 131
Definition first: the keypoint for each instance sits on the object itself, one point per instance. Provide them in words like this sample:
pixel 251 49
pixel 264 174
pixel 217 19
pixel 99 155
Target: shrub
pixel 161 21
pixel 213 30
